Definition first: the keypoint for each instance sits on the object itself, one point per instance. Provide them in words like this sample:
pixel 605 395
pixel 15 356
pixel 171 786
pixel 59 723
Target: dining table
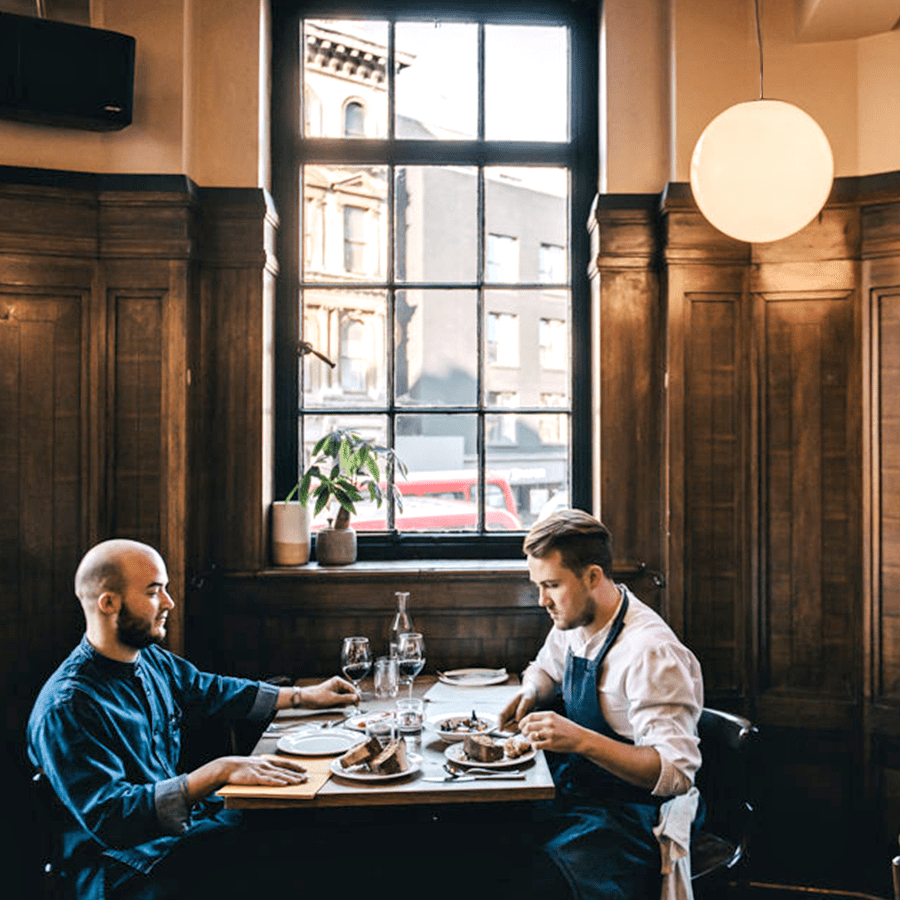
pixel 428 782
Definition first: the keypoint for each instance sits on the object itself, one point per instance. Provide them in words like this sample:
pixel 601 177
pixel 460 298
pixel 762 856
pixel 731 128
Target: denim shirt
pixel 108 736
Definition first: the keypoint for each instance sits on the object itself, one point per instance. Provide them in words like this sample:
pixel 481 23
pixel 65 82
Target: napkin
pixel 673 832
pixel 318 771
pixel 486 697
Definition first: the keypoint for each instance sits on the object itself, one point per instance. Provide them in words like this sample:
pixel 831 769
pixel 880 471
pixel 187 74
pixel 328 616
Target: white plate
pixel 453 736
pixel 318 743
pixel 358 773
pixel 474 677
pixel 358 722
pixel 456 753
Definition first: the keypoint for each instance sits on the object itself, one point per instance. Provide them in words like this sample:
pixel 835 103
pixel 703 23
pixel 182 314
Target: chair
pixel 48 814
pixel 726 741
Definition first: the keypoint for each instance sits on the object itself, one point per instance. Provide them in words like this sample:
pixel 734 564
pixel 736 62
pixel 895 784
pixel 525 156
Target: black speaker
pixel 54 73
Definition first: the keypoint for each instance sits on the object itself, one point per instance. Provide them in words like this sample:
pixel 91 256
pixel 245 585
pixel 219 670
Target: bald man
pixel 106 730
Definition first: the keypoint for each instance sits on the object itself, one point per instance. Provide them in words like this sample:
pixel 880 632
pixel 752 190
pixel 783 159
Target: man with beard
pixel 614 698
pixel 106 730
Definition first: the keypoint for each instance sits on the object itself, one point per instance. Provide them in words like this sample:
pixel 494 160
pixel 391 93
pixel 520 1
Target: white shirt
pixel 650 689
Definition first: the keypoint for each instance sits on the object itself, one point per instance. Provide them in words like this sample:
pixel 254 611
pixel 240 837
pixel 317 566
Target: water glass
pixel 383 727
pixel 386 677
pixel 410 714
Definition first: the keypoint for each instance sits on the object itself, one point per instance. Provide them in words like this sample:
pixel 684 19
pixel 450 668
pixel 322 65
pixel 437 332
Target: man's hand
pixel 263 770
pixel 516 709
pixel 551 731
pixel 333 692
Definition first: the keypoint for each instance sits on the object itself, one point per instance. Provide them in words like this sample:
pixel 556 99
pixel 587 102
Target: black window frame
pixel 580 154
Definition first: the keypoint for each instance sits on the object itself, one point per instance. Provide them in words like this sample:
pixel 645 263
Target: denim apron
pixel 603 842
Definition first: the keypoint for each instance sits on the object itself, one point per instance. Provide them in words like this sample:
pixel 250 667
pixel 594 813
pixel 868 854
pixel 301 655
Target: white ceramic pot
pixel 335 546
pixel 290 534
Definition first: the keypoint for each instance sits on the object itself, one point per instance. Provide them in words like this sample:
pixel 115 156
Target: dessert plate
pixel 474 677
pixel 361 773
pixel 435 723
pixel 317 743
pixel 456 754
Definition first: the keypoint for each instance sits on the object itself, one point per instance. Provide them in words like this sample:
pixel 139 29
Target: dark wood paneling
pixel 887 479
pixel 629 368
pixel 137 475
pixel 42 464
pixel 716 529
pixel 293 623
pixel 810 492
pixel 237 284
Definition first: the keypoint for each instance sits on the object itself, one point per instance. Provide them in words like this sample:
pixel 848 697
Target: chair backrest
pixel 49 817
pixel 724 779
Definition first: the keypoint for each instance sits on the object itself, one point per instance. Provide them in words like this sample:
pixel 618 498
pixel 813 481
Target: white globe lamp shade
pixel 762 170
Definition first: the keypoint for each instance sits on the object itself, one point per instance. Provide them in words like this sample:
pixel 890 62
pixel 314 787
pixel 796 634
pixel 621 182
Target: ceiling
pixel 838 20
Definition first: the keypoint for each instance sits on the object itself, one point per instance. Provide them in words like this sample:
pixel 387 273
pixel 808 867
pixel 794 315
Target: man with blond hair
pixel 624 738
pixel 106 729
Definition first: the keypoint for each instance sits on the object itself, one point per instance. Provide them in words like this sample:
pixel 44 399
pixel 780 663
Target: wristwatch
pixel 295 698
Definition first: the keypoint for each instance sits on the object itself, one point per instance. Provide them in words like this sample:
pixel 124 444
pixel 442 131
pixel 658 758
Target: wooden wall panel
pixel 716 532
pixel 629 372
pixel 887 481
pixel 42 462
pixel 810 494
pixel 137 476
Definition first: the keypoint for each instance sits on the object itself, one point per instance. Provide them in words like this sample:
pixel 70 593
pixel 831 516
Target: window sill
pixel 367 569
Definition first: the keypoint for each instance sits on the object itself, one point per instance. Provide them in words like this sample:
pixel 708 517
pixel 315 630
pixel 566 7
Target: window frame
pixel 290 151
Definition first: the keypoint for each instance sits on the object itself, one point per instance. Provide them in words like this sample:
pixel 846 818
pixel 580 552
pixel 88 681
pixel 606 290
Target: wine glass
pixel 411 656
pixel 356 660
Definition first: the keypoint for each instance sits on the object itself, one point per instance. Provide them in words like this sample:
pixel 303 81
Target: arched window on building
pixel 354 120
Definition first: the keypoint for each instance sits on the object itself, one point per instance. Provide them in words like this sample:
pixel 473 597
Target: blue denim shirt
pixel 108 736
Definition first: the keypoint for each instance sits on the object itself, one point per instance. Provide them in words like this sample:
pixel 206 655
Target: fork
pixel 459 771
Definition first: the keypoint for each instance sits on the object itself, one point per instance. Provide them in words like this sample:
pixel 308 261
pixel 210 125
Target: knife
pixel 438 778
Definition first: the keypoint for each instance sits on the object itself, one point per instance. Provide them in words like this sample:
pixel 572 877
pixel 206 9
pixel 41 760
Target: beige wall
pixel 200 98
pixel 707 48
pixel 201 90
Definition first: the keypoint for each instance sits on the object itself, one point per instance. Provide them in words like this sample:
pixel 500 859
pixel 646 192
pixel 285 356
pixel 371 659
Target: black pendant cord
pixel 759 47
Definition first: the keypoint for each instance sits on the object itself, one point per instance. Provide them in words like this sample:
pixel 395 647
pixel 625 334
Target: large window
pixel 436 166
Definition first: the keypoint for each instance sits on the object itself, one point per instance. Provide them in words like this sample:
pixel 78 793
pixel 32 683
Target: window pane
pixel 440 490
pixel 436 211
pixel 501 258
pixel 526 77
pixel 536 469
pixel 526 211
pixel 435 348
pixel 345 66
pixel 368 517
pixel 502 339
pixel 526 346
pixel 349 328
pixel 437 80
pixel 344 223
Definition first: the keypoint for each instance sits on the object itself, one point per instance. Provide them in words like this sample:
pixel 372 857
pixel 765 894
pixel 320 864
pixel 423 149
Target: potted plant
pixel 344 470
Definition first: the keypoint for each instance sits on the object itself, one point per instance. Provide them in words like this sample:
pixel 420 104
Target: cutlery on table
pixel 461 778
pixel 457 771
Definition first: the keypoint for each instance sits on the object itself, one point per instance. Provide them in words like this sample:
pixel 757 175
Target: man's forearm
pixel 636 765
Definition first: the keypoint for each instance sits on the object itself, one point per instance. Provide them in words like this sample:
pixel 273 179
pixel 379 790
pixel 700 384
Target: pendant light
pixel 763 169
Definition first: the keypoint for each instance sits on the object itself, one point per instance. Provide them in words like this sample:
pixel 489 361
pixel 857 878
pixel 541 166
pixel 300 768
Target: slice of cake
pixel 391 760
pixel 481 748
pixel 516 746
pixel 361 753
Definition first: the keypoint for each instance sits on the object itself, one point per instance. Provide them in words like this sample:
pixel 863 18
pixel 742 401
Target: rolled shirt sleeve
pixel 665 699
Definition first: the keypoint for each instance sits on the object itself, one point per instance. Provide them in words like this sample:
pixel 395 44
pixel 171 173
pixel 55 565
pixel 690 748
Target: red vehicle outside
pixel 442 501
